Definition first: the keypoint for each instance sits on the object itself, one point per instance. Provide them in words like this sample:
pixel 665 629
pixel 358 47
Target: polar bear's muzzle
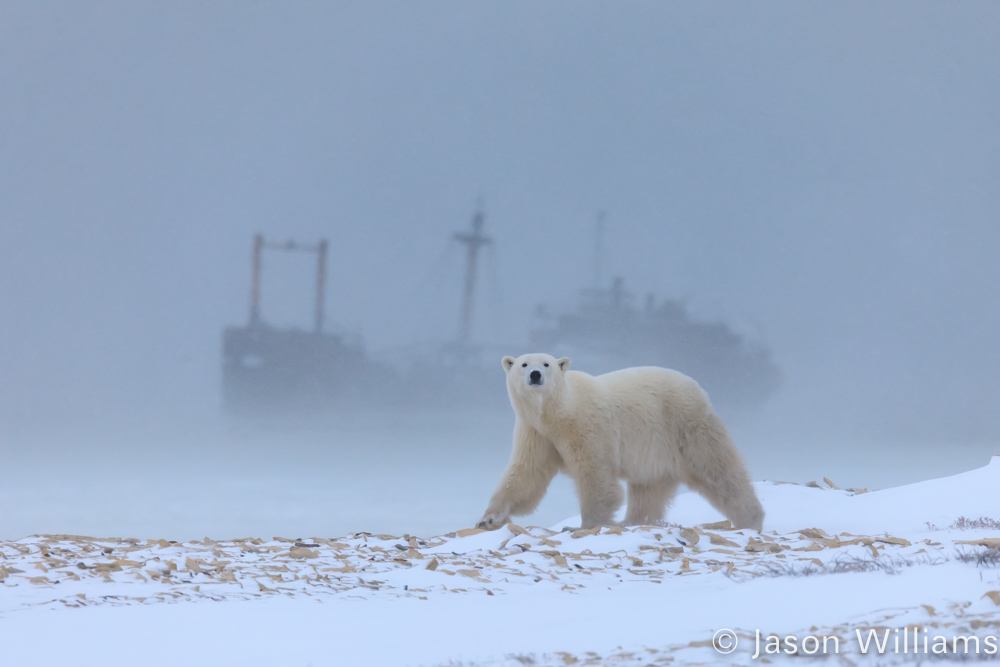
pixel 535 377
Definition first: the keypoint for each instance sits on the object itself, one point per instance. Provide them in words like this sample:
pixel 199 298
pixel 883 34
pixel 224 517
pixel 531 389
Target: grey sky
pixel 823 175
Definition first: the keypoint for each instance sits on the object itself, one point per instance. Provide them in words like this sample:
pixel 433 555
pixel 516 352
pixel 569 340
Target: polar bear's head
pixel 538 374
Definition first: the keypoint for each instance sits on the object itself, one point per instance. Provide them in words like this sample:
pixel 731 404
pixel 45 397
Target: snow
pixel 830 561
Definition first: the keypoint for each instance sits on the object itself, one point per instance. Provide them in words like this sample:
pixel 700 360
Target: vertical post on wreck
pixel 258 245
pixel 473 241
pixel 320 283
pixel 599 250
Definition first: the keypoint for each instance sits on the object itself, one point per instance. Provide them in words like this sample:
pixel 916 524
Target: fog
pixel 821 178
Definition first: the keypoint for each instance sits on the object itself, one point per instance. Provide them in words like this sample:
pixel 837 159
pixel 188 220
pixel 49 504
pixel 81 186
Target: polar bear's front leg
pixel 533 464
pixel 600 497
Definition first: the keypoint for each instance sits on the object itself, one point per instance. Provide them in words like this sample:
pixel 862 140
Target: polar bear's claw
pixel 492 521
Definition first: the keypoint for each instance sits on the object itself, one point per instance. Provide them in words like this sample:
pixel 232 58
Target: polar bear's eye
pixel 546 365
pixel 524 365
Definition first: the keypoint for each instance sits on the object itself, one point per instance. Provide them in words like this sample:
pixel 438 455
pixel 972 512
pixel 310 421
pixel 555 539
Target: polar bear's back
pixel 656 387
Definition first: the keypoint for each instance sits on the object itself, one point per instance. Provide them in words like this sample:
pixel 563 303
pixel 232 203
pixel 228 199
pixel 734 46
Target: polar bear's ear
pixel 508 362
pixel 563 364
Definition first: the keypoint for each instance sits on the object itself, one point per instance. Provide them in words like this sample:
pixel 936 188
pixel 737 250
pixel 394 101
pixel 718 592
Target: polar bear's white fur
pixel 652 427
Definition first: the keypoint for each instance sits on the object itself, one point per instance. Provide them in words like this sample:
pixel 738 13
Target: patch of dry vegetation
pixel 982 523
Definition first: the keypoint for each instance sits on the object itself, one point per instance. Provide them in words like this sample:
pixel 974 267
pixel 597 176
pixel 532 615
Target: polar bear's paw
pixel 591 525
pixel 493 519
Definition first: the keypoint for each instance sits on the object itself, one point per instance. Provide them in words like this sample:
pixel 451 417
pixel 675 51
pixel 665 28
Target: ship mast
pixel 259 245
pixel 599 250
pixel 473 241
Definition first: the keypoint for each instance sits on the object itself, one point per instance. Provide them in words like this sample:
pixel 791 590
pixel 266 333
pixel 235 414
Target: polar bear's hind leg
pixel 716 470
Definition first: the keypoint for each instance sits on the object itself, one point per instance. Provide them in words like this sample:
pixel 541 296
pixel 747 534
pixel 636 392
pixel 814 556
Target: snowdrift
pixel 908 563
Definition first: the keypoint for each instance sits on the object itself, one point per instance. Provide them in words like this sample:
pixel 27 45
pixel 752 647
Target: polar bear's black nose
pixel 536 377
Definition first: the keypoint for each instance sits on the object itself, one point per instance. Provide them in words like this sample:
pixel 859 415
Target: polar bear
pixel 652 427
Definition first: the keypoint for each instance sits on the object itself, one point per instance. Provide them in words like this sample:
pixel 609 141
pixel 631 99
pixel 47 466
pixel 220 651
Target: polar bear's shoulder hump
pixel 640 375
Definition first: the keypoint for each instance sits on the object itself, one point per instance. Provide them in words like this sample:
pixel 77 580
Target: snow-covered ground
pixel 831 563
